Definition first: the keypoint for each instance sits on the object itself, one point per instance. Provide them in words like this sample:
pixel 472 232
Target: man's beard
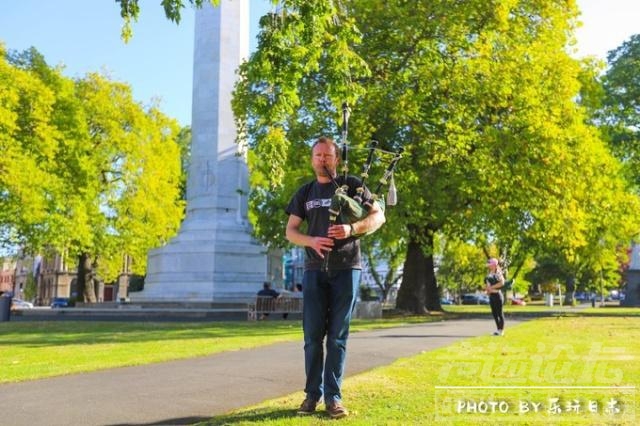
pixel 322 171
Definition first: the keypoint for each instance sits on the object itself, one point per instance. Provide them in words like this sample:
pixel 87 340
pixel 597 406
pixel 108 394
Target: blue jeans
pixel 329 299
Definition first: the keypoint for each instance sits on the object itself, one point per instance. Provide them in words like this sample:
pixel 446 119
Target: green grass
pixel 540 309
pixel 567 355
pixel 565 351
pixel 34 350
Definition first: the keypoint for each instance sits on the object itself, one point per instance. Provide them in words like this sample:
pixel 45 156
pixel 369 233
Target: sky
pixel 84 36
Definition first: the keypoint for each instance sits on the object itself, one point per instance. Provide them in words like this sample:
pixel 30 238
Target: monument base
pixel 205 266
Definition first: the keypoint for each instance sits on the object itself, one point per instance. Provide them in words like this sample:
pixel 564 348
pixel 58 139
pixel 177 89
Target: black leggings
pixel 495 301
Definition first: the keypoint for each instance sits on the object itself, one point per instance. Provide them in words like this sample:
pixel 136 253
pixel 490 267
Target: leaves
pixel 87 169
pixel 482 97
pixel 620 111
pixel 130 11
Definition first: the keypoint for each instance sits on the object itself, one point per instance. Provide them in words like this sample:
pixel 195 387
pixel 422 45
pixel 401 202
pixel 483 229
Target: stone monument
pixel 213 258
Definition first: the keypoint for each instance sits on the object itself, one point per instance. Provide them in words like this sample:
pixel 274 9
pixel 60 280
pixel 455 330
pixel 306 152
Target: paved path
pixel 188 391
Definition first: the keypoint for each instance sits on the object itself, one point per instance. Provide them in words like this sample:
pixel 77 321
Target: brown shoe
pixel 336 410
pixel 308 406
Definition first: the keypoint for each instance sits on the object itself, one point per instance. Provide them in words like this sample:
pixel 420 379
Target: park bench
pixel 273 305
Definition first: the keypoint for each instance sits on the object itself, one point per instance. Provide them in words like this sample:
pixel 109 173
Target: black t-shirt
pixel 493 278
pixel 311 203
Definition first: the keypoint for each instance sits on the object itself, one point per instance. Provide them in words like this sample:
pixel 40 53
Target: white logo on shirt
pixel 317 203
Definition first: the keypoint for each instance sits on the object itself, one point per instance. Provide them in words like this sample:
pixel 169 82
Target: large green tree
pixel 86 170
pixel 462 267
pixel 619 115
pixel 481 95
pixel 290 92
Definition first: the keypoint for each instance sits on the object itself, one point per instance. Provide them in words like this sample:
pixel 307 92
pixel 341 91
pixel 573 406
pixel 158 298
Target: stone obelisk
pixel 213 258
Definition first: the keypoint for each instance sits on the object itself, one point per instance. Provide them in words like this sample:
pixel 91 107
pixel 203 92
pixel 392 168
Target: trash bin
pixel 5 308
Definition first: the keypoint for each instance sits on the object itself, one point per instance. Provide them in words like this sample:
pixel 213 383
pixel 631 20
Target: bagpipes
pixel 347 209
pixel 508 283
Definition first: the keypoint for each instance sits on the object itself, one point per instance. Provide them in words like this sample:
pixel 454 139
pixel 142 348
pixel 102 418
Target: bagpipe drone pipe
pixel 345 209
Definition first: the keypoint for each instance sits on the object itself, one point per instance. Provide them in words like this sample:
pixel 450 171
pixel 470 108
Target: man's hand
pixel 320 244
pixel 339 232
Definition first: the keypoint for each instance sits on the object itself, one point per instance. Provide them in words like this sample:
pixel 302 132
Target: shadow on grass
pixel 168 422
pixel 263 414
pixel 41 334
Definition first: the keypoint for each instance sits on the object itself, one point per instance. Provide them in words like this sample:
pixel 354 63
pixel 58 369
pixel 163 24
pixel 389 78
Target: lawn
pixel 578 366
pixel 559 370
pixel 34 350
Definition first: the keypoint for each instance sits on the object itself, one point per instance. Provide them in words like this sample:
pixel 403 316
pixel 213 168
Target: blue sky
pixel 84 36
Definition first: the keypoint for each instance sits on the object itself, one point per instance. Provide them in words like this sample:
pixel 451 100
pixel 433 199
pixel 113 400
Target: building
pixel 7 275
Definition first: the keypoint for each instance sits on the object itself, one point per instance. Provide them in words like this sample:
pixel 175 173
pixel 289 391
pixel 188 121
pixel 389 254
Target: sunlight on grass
pixel 33 350
pixel 568 353
pixel 584 363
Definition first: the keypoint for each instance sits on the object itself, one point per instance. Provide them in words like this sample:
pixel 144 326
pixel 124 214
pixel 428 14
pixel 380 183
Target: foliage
pixel 620 112
pixel 130 10
pixel 30 290
pixel 547 272
pixel 184 143
pixel 136 283
pixel 486 101
pixel 461 267
pixel 591 275
pixel 86 170
pixel 481 97
pixel 290 92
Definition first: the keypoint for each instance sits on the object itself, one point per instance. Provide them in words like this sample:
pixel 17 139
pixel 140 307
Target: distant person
pixel 494 281
pixel 297 290
pixel 267 292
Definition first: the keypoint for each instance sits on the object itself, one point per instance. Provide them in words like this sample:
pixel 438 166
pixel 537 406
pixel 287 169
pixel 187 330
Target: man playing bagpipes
pixel 332 270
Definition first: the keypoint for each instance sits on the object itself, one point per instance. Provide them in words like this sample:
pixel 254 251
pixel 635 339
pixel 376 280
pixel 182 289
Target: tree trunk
pixel 432 299
pixel 571 291
pixel 86 288
pixel 419 290
pixel 411 296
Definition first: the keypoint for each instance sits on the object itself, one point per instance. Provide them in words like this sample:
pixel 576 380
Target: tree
pixel 482 98
pixel 88 171
pixel 25 107
pixel 392 257
pixel 184 143
pixel 461 268
pixel 290 92
pixel 510 156
pixel 619 114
